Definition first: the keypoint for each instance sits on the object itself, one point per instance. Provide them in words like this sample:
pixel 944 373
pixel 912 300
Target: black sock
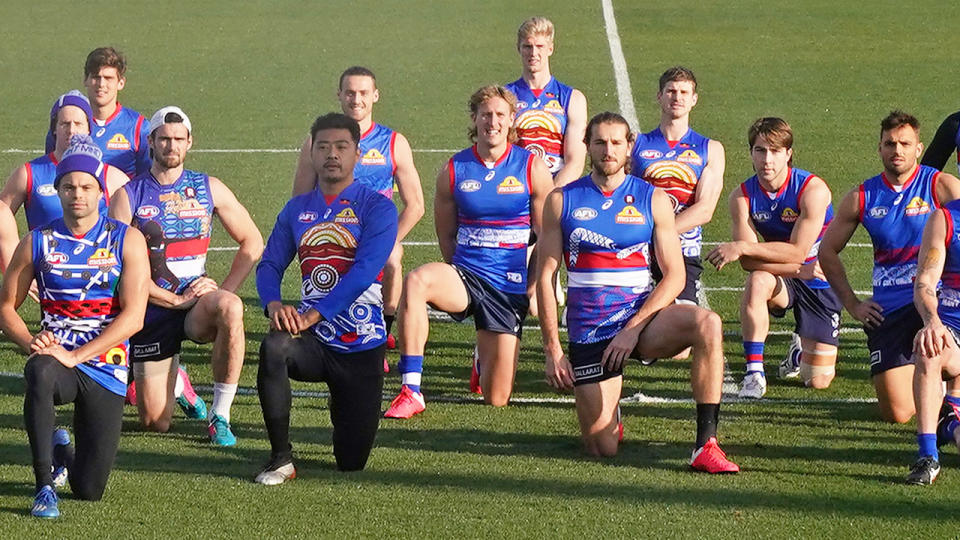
pixel 708 415
pixel 388 320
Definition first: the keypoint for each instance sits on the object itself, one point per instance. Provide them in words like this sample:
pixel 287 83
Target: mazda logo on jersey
pixel 879 212
pixel 148 212
pixel 584 214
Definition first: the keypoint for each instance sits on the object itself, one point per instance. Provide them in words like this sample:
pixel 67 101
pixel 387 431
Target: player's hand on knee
pixel 932 340
pixel 65 357
pixel 811 271
pixel 724 254
pixel 620 348
pixel 283 317
pixel 203 285
pixel 869 313
pixel 559 371
pixel 309 318
pixel 43 340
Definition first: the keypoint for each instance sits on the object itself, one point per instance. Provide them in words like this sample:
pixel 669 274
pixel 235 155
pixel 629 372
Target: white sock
pixel 412 377
pixel 178 386
pixel 223 395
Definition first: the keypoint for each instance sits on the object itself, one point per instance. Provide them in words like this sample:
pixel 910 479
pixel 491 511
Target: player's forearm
pixel 568 173
pixel 408 219
pixel 778 269
pixel 772 252
pixel 925 299
pixel 549 324
pixel 693 217
pixel 159 296
pixel 836 275
pixel 14 327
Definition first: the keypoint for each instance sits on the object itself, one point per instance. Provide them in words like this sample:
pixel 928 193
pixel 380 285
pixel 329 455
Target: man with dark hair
pixel 604 226
pixel 893 207
pixel 89 312
pixel 386 160
pixel 120 132
pixel 790 208
pixel 945 143
pixel 342 231
pixel 174 208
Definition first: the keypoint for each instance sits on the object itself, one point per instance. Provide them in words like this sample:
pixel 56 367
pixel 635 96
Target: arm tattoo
pixel 931 260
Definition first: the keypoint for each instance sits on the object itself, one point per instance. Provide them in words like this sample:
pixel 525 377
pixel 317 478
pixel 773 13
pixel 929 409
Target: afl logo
pixel 651 154
pixel 56 258
pixel 879 212
pixel 762 217
pixel 147 212
pixel 469 186
pixel 307 217
pixel 584 214
pixel 47 190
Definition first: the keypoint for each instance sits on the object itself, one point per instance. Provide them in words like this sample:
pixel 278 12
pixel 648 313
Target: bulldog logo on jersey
pixel 789 215
pixel 47 190
pixel 510 184
pixel 630 215
pixel 373 157
pixel 347 216
pixel 118 142
pixel 102 258
pixel 917 207
pixel 689 156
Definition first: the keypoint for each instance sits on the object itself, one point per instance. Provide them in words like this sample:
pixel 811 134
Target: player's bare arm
pixel 16 285
pixel 948 188
pixel 304 176
pixel 541 185
pixel 120 207
pixel 445 216
pixel 408 187
pixel 666 244
pixel 115 179
pixel 557 367
pixel 707 192
pixel 841 229
pixel 574 151
pixel 14 192
pixel 238 224
pixel 934 337
pixel 8 236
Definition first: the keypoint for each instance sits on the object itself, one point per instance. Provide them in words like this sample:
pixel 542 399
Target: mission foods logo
pixel 510 184
pixel 630 215
pixel 917 207
pixel 373 157
pixel 691 157
pixel 347 216
pixel 102 257
pixel 553 106
pixel 118 142
pixel 789 215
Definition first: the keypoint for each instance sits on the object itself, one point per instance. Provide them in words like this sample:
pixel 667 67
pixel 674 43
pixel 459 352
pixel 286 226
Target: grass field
pixel 253 75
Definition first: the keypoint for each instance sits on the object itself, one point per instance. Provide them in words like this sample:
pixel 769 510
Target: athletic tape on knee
pixel 809 371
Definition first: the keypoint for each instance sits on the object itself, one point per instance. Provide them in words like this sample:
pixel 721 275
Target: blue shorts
pixel 492 310
pixel 162 333
pixel 587 362
pixel 692 285
pixel 891 343
pixel 816 311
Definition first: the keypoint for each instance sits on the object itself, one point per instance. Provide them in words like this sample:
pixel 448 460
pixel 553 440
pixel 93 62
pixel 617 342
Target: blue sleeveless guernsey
pixel 895 220
pixel 77 279
pixel 493 216
pixel 176 221
pixel 774 214
pixel 542 120
pixel 123 139
pixel 606 247
pixel 377 163
pixel 949 306
pixel 42 205
pixel 675 167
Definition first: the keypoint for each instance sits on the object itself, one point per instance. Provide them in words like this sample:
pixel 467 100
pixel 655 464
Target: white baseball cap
pixel 159 118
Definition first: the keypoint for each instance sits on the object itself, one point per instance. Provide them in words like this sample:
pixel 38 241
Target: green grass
pixel 254 74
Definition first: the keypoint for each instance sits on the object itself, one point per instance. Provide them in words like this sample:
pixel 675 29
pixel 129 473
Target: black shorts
pixel 161 336
pixel 493 310
pixel 692 285
pixel 816 311
pixel 587 362
pixel 891 344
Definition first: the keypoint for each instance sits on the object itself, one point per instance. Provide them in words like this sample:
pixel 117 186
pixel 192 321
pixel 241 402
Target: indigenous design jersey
pixel 895 221
pixel 377 163
pixel 949 305
pixel 774 214
pixel 606 247
pixel 42 204
pixel 77 278
pixel 177 221
pixel 542 120
pixel 123 139
pixel 675 167
pixel 493 216
pixel 342 244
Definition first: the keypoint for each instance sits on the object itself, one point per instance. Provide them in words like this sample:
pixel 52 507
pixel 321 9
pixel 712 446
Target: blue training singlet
pixel 606 247
pixel 177 221
pixel 493 216
pixel 542 120
pixel 675 167
pixel 123 139
pixel 895 220
pixel 42 205
pixel 949 297
pixel 377 163
pixel 774 214
pixel 77 278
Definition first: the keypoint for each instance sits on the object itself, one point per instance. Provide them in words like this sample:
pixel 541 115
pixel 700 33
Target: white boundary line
pixel 415 243
pixel 624 92
pixel 245 151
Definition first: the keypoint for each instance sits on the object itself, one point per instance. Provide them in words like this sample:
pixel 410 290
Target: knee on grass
pixel 601 445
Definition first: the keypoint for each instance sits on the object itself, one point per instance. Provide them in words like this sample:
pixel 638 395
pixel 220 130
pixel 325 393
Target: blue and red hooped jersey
pixel 123 139
pixel 675 167
pixel 77 278
pixel 177 221
pixel 42 205
pixel 606 247
pixel 542 119
pixel 342 244
pixel 774 214
pixel 493 215
pixel 895 219
pixel 377 164
pixel 949 297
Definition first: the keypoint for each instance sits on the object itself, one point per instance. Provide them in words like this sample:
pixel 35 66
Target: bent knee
pixel 601 447
pixel 87 493
pixel 820 383
pixel 275 348
pixel 39 371
pixel 157 425
pixel 900 415
pixel 758 281
pixel 230 307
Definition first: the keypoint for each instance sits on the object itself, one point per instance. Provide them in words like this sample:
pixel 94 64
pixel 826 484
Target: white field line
pixel 639 397
pixel 415 243
pixel 624 92
pixel 39 151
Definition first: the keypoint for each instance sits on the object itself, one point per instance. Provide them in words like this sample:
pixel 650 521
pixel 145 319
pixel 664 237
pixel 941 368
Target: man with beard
pixel 174 208
pixel 342 232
